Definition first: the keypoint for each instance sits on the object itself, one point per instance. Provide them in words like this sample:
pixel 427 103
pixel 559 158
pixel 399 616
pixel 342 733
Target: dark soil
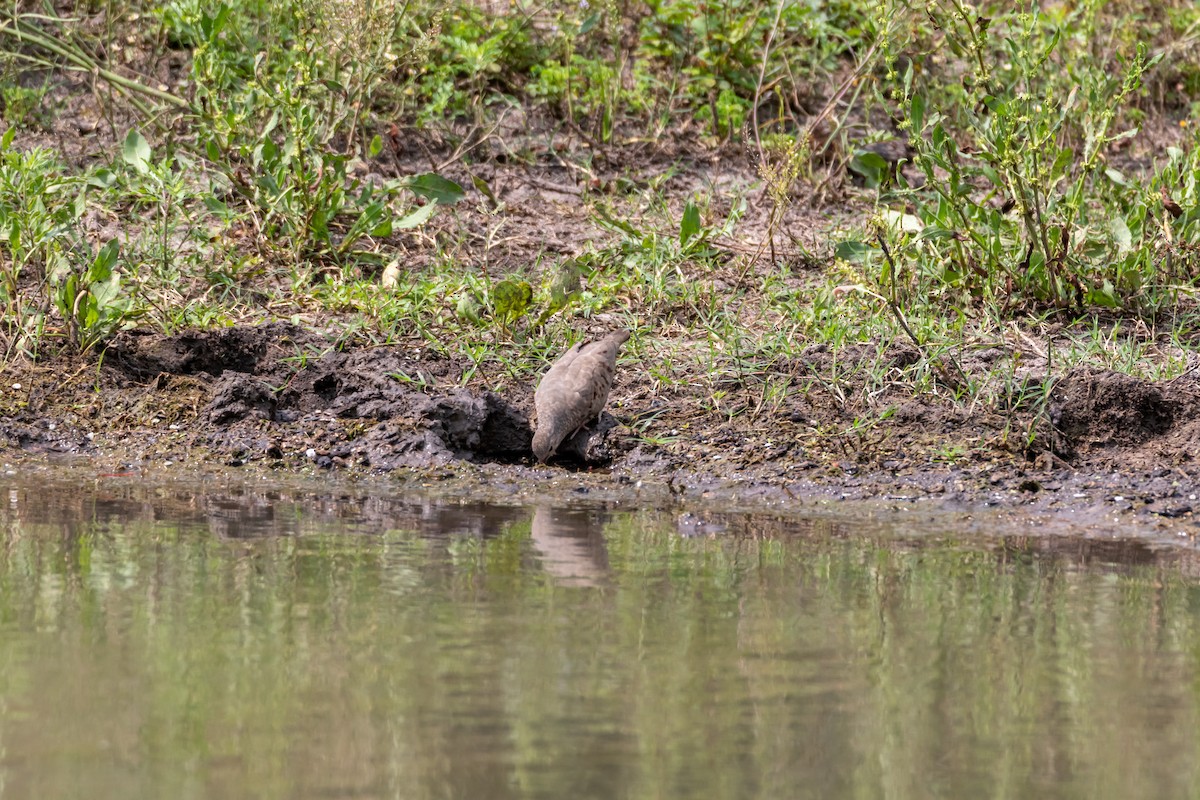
pixel 243 397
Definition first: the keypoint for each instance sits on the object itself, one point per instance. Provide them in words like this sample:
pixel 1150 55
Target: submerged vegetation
pixel 743 180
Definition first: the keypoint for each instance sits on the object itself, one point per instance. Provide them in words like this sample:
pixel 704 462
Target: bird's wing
pixel 590 375
pixel 576 386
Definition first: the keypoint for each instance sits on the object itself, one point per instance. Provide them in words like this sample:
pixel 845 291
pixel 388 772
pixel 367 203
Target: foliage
pixel 1020 204
pixel 275 174
pixel 284 128
pixel 91 302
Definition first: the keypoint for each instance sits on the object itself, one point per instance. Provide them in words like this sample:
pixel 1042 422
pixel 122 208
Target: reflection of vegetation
pixel 400 664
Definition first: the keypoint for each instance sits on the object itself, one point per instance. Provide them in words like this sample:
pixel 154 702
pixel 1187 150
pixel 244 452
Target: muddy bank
pixel 281 397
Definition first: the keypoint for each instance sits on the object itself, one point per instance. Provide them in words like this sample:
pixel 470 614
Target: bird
pixel 573 391
pixel 1169 203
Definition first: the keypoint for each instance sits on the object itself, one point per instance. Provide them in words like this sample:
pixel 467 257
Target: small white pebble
pixel 310 454
pixel 1117 498
pixel 16 386
pixel 52 426
pixel 91 436
pixel 173 427
pixel 168 463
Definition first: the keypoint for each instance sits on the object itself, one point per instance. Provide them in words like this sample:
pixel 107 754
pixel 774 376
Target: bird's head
pixel 545 442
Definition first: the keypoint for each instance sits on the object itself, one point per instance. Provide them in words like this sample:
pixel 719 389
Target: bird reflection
pixel 570 544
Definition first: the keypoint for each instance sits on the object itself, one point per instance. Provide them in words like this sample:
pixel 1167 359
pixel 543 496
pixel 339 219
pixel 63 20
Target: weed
pixel 1009 221
pixel 48 265
pixel 25 105
pixel 91 301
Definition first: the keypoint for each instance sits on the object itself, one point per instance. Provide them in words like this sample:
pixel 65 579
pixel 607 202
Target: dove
pixel 573 391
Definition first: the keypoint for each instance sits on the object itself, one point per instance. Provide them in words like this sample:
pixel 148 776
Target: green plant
pixel 1029 213
pixel 285 129
pixel 509 300
pixel 91 300
pixel 25 105
pixel 38 206
pixel 46 265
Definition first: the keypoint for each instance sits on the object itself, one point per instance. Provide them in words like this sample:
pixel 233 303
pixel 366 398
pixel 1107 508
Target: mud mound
pixel 361 408
pixel 145 353
pixel 1099 409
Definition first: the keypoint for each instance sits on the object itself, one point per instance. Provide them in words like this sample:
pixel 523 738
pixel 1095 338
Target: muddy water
pixel 212 640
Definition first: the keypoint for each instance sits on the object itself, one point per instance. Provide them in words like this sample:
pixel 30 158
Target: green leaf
pixel 934 233
pixel 270 126
pixel 483 188
pixel 417 217
pixel 434 187
pixel 89 315
pixel 564 284
pixel 510 298
pixel 212 26
pixel 612 222
pixel 68 290
pixel 916 113
pixel 376 146
pixel 871 166
pixel 468 308
pixel 376 219
pixel 1063 162
pixel 106 292
pixel 937 137
pixel 852 251
pixel 1105 296
pixel 589 23
pixel 1121 235
pixel 318 225
pixel 101 268
pixel 1116 176
pixel 383 229
pixel 7 139
pixel 136 151
pixel 690 226
pixel 1123 135
pixel 217 207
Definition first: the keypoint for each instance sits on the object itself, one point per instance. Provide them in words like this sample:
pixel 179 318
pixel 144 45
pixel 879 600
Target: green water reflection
pixel 207 641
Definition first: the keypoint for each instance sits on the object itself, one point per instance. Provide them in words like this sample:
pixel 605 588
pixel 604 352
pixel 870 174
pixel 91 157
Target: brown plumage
pixel 574 390
pixel 1169 203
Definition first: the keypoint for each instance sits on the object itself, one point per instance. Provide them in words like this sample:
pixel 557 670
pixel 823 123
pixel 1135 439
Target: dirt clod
pixel 1094 409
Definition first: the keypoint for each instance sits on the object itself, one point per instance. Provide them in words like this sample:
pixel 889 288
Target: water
pixel 206 640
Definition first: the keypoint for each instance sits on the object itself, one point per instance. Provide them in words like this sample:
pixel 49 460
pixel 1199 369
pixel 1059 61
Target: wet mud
pixel 282 397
